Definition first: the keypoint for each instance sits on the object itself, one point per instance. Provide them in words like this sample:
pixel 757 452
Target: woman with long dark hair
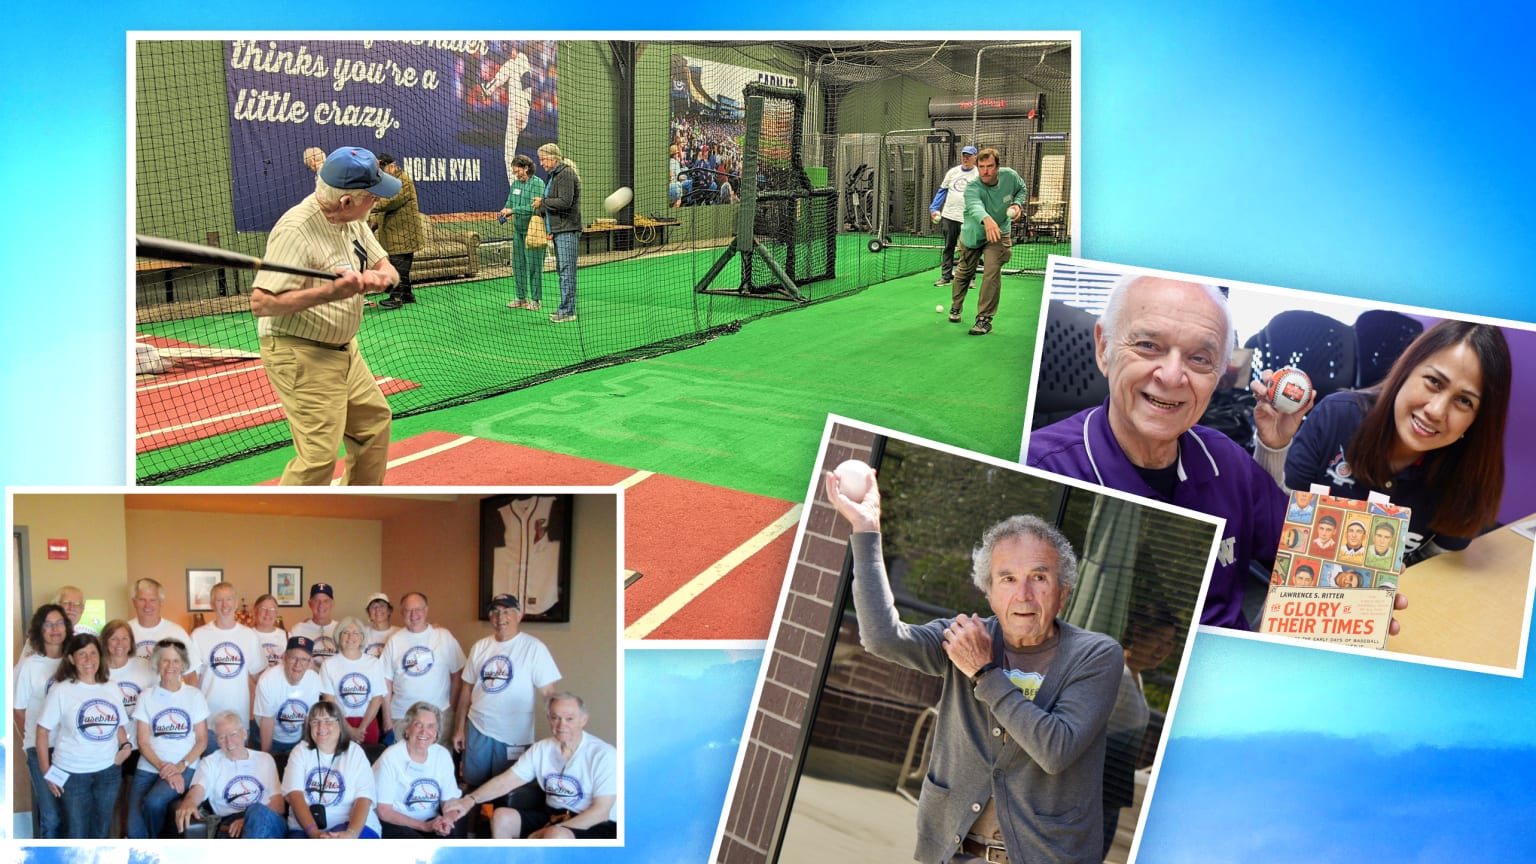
pixel 1430 437
pixel 83 722
pixel 46 635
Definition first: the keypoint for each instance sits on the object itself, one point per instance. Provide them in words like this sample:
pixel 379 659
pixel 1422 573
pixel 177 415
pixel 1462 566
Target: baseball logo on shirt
pixel 375 650
pixel 290 717
pixel 324 787
pixel 417 661
pixel 563 788
pixel 423 795
pixel 171 723
pixel 354 690
pixel 273 651
pixel 97 720
pixel 143 648
pixel 243 791
pixel 496 673
pixel 227 660
pixel 130 692
pixel 1338 471
pixel 325 646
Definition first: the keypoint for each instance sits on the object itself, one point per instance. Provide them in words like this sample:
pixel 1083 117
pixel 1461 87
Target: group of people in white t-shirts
pixel 339 728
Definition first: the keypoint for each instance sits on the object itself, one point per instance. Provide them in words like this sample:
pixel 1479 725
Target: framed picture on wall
pixel 200 588
pixel 285 582
pixel 525 551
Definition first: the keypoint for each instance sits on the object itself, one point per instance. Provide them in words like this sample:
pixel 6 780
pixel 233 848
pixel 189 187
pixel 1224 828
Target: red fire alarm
pixel 58 549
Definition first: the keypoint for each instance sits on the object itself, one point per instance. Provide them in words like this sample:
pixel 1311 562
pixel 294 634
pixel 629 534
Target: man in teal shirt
pixel 992 202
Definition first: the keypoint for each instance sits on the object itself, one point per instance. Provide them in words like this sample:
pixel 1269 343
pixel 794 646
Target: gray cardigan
pixel 1042 761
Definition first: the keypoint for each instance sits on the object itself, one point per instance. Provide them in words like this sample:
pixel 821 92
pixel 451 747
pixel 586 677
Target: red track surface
pixel 674 529
pixel 203 397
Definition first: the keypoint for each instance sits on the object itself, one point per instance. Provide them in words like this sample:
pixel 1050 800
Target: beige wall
pixel 93 525
pixel 162 544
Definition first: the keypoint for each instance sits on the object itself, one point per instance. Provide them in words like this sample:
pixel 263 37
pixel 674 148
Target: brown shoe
pixel 982 327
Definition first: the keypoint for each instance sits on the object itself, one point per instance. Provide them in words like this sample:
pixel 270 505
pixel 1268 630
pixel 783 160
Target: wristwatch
pixel 976 679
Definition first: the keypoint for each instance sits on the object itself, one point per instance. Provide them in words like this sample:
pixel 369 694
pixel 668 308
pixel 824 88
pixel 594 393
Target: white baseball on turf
pixel 853 478
pixel 1289 389
pixel 939 308
pixel 619 199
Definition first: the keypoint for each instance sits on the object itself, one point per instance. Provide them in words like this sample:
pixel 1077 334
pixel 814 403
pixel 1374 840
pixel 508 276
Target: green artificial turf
pixel 746 410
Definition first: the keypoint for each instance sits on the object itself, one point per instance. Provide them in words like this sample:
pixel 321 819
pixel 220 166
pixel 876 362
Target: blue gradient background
pixel 1379 150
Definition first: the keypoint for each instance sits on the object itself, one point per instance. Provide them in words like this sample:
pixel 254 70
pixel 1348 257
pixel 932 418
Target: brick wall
pixel 783 712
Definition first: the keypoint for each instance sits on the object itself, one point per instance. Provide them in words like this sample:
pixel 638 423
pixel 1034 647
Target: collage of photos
pixel 713 449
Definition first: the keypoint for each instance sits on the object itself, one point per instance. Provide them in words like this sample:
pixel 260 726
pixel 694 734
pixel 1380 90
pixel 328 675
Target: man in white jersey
pixel 422 661
pixel 508 674
pixel 148 627
pixel 231 657
pixel 308 326
pixel 321 627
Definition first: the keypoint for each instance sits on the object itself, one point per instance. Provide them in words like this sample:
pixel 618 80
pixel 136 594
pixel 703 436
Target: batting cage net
pixel 848 144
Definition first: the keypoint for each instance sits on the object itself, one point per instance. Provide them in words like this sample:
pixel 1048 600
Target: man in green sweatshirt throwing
pixel 992 202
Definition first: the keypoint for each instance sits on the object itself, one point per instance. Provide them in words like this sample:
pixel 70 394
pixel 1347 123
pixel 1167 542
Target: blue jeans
pixel 261 823
pixel 527 264
pixel 88 800
pixel 484 757
pixel 47 815
pixel 149 800
pixel 565 263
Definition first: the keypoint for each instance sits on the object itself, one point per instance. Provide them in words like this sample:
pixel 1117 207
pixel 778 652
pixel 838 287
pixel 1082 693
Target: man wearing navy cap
pixel 284 695
pixel 308 326
pixel 321 627
pixel 948 209
pixel 508 673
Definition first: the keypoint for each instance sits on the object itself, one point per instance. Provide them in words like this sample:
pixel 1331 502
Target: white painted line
pixel 181 381
pixel 658 614
pixel 207 420
pixel 634 479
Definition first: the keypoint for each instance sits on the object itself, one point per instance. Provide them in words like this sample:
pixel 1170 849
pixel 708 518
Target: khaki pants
pixel 330 397
pixel 992 257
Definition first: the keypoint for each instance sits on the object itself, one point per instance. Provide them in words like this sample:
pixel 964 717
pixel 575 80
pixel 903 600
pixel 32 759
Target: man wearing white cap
pixel 379 629
pixel 508 674
pixel 308 326
pixel 321 627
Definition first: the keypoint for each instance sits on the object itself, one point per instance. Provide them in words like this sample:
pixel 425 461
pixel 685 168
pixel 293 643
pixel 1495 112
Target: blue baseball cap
pixel 968 150
pixel 356 168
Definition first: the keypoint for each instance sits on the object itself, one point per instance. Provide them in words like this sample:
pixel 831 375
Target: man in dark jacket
pixel 561 205
pixel 396 222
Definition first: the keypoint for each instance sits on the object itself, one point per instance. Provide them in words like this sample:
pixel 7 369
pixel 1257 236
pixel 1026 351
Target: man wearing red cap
pixel 308 326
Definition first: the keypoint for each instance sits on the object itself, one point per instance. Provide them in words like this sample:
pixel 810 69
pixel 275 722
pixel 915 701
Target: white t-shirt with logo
pixel 333 782
pixel 30 686
pixel 229 659
pixel 324 639
pixel 571 784
pixel 354 683
pixel 506 677
pixel 422 667
pixel 273 644
pixel 171 718
pixel 82 722
pixel 415 789
pixel 131 679
pixel 287 704
pixel 233 785
pixel 373 642
pixel 144 639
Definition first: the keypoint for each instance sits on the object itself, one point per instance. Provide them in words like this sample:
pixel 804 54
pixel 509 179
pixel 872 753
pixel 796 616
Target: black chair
pixel 1318 345
pixel 1380 337
pixel 1069 379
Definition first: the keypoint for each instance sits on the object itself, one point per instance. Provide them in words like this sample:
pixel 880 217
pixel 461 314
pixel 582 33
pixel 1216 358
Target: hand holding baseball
pixel 864 513
pixel 1276 429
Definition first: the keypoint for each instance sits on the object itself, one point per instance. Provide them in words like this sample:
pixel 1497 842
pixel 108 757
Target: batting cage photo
pixel 452 220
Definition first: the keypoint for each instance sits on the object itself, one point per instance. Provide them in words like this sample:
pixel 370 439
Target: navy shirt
pixel 1317 456
pixel 1216 477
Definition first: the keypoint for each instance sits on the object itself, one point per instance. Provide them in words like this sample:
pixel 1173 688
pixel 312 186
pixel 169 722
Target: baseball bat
pixel 191 253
